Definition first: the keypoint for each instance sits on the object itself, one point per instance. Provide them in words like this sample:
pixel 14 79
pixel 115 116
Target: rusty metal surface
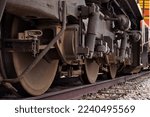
pixel 67 45
pixel 75 93
pixel 91 70
pixel 102 35
pixel 27 76
pixel 34 8
pixel 42 8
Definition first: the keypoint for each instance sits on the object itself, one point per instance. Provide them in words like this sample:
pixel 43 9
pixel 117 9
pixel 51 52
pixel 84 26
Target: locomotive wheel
pixel 39 79
pixel 112 71
pixel 91 69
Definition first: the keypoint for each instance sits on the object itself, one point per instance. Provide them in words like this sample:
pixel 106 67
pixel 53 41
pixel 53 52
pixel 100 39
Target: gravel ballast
pixel 137 89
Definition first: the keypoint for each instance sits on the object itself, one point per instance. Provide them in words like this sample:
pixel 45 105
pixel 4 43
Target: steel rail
pixel 77 92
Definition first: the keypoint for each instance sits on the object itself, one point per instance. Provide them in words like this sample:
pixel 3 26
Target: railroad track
pixel 120 91
pixel 78 90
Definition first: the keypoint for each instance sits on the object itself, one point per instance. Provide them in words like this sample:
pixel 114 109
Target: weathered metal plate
pixel 33 8
pixel 42 8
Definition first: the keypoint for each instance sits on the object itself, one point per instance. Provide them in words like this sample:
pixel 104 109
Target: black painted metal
pixel 2 7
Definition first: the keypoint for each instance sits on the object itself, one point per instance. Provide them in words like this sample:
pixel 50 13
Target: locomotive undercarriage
pixel 84 42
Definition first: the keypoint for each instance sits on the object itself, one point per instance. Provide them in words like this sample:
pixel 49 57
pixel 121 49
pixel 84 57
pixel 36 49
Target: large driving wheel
pixel 91 70
pixel 39 79
pixel 112 71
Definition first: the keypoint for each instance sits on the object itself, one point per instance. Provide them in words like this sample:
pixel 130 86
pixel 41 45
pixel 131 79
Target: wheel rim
pixel 112 71
pixel 91 70
pixel 39 79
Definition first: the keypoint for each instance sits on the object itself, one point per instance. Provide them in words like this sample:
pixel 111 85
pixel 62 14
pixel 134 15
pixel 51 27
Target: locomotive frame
pixel 45 39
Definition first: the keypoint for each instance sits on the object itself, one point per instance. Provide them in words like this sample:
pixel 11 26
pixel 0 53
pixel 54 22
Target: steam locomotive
pixel 41 40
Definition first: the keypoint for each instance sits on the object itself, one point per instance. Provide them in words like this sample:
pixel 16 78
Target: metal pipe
pixel 123 47
pixel 92 31
pixel 130 7
pixel 42 54
pixel 118 5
